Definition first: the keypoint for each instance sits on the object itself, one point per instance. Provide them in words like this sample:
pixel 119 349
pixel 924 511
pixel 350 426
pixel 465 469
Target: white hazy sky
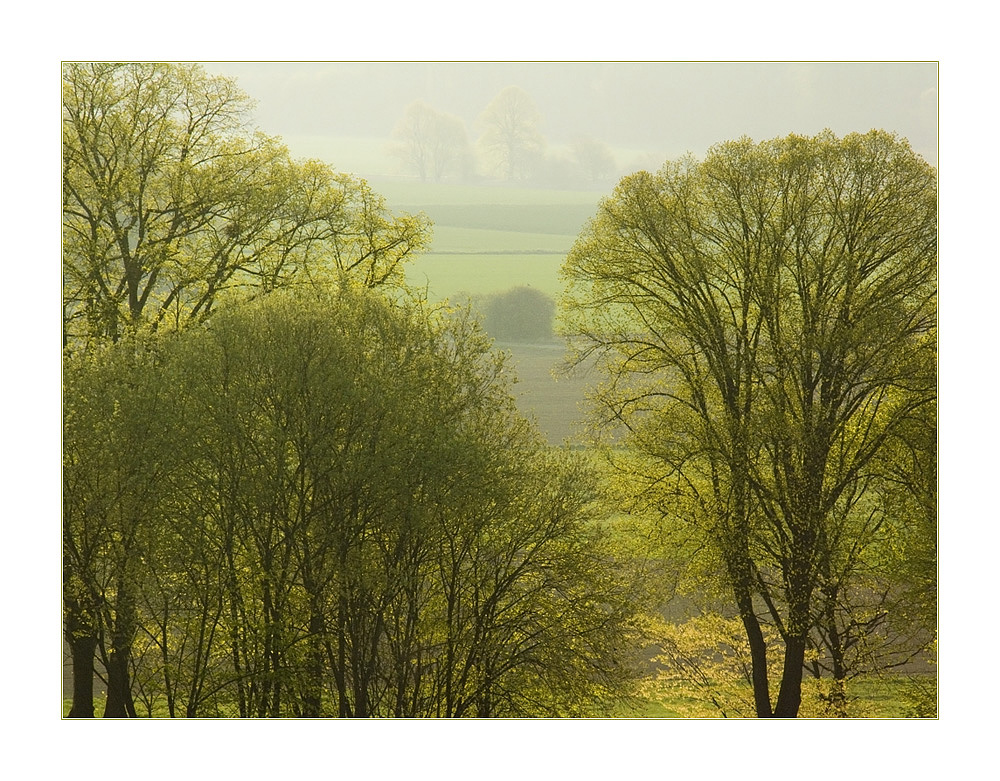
pixel 661 108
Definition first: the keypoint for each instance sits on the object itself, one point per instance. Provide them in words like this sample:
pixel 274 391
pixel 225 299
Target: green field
pixel 452 240
pixel 491 238
pixel 553 399
pixel 411 195
pixel 458 276
pixel 560 219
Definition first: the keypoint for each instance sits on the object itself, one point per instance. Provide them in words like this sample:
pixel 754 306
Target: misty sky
pixel 663 109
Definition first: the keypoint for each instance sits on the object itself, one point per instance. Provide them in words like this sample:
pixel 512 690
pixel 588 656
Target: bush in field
pixel 521 314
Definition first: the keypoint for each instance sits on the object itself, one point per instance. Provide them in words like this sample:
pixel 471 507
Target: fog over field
pixel 645 111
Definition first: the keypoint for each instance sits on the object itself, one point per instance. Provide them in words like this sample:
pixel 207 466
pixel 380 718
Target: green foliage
pixel 349 518
pixel 704 670
pixel 868 698
pixel 117 459
pixel 172 210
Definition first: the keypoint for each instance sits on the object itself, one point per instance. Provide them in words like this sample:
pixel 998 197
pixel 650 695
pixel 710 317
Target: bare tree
pixel 594 158
pixel 511 141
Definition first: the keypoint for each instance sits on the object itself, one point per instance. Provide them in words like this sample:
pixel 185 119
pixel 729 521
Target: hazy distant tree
pixel 430 143
pixel 594 158
pixel 558 170
pixel 511 141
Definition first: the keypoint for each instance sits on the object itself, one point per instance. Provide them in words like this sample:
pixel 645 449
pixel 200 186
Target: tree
pixel 117 459
pixel 510 139
pixel 431 144
pixel 762 317
pixel 171 205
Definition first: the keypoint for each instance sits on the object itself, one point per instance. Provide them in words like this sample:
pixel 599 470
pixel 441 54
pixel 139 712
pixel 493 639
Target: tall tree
pixel 511 140
pixel 117 459
pixel 761 316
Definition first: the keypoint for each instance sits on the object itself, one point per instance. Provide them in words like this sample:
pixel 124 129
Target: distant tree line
pixel 510 146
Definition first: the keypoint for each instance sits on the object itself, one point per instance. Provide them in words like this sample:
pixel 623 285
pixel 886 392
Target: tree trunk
pixel 119 704
pixel 758 656
pixel 740 569
pixel 837 700
pixel 312 696
pixel 81 635
pixel 799 623
pixel 82 647
pixel 344 709
pixel 790 693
